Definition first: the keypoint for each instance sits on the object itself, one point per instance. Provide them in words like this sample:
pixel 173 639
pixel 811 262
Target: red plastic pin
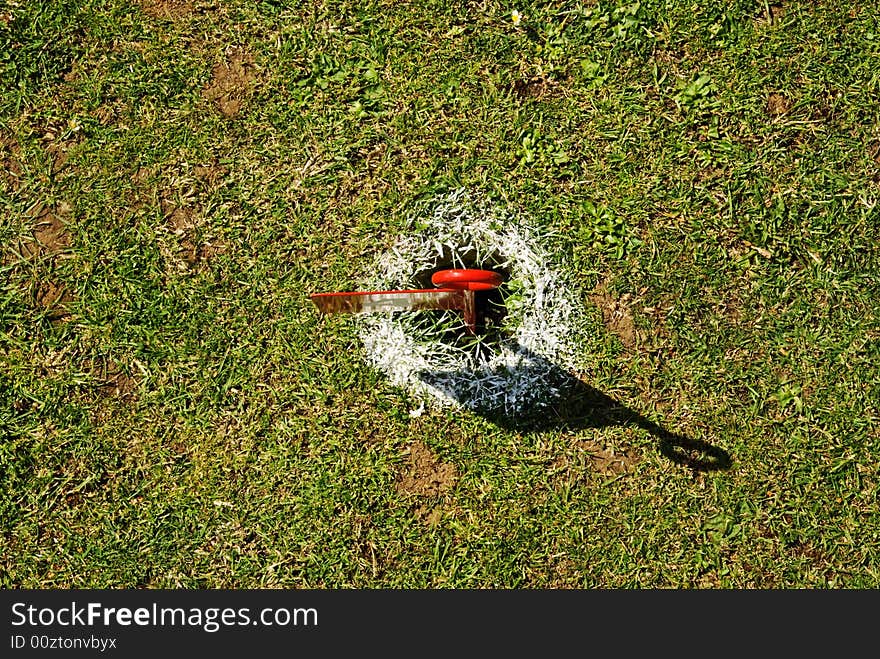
pixel 455 290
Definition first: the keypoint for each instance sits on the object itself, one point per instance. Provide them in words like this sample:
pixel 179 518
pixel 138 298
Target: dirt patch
pixel 143 175
pixel 58 137
pixel 108 114
pixel 211 174
pixel 231 82
pixel 49 236
pixel 606 461
pixel 48 243
pixel 192 249
pixel 588 459
pixel 173 9
pixel 536 88
pixel 777 105
pixel 194 254
pixel 108 379
pixel 616 316
pixel 430 517
pixel 54 298
pixel 810 554
pixel 49 231
pixel 59 151
pixel 119 385
pixel 426 475
pixel 113 382
pixel 10 165
pixel 874 151
pixel 365 180
pixel 181 219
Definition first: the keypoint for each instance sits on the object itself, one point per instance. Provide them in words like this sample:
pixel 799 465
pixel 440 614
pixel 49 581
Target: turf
pixel 177 175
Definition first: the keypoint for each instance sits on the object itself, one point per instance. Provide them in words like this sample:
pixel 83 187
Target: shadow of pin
pixel 572 405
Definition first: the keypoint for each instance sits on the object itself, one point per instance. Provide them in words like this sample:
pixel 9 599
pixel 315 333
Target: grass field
pixel 176 176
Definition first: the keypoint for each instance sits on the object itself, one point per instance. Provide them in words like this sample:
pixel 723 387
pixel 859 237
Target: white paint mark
pixel 514 374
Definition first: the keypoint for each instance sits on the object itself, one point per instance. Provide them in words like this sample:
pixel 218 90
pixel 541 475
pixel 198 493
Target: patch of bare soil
pixel 54 298
pixel 49 242
pixel 536 88
pixel 191 250
pixel 231 82
pixel 49 231
pixel 49 236
pixel 426 475
pixel 113 382
pixel 595 457
pixel 181 219
pixel 60 152
pixel 144 186
pixel 606 461
pixel 58 135
pixel 587 460
pixel 429 516
pixel 10 167
pixel 616 316
pixel 172 9
pixel 777 105
pixel 211 174
pixel 874 151
pixel 194 254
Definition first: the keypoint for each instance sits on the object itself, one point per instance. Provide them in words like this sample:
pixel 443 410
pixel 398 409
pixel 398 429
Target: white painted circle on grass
pixel 515 373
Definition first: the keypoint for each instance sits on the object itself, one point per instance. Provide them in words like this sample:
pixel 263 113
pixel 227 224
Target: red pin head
pixel 466 280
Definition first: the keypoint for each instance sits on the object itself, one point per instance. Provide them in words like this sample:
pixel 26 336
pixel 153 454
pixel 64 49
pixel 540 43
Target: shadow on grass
pixel 574 405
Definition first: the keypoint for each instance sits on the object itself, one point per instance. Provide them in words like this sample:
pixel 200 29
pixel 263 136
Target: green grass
pixel 182 417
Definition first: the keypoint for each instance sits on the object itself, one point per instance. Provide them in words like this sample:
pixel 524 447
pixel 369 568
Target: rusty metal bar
pixel 407 300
